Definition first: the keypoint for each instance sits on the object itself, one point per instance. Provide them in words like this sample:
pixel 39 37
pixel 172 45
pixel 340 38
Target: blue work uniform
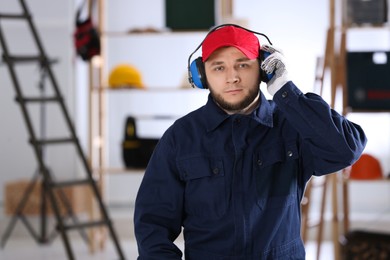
pixel 234 183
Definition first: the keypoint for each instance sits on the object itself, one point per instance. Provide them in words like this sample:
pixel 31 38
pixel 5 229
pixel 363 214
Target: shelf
pixel 383 180
pixel 350 110
pixel 148 33
pixel 365 27
pixel 146 89
pixel 119 170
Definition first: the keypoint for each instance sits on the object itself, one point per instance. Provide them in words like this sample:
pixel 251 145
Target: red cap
pixel 242 39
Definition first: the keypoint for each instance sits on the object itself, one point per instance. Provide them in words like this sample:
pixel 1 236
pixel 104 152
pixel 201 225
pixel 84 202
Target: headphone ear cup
pixel 262 72
pixel 263 75
pixel 198 75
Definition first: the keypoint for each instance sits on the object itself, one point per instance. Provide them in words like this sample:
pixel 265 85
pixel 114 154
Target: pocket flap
pixel 200 167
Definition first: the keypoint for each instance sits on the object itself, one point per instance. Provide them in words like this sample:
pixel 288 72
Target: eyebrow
pixel 216 63
pixel 237 60
pixel 243 59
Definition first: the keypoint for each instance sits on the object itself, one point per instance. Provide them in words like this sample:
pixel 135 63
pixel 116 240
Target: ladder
pixel 49 183
pixel 333 63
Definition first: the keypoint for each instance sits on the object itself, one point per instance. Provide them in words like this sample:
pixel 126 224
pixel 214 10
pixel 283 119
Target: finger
pixel 268 65
pixel 268 48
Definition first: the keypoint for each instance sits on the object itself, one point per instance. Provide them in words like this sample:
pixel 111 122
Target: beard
pixel 234 107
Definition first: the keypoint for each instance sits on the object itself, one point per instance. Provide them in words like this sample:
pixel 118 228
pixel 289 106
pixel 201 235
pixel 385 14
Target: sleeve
pixel 331 142
pixel 158 206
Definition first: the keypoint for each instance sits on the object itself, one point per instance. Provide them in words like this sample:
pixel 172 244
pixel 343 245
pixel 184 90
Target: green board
pixel 189 14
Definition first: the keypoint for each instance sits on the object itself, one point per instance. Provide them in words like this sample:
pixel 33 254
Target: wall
pixel 55 23
pixel 297 27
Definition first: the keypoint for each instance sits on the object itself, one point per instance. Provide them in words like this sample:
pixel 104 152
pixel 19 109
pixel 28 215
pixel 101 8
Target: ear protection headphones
pixel 196 70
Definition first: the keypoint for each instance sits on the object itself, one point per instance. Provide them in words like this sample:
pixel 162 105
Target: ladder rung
pixel 23 58
pixel 55 141
pixel 70 183
pixel 14 16
pixel 86 224
pixel 29 58
pixel 38 99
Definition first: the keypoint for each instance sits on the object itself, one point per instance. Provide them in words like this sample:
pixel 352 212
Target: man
pixel 233 172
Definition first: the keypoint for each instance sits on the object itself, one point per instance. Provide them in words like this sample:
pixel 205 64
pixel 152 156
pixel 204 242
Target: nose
pixel 232 76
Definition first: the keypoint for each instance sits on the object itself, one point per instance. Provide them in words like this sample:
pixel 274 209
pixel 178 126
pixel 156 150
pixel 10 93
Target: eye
pixel 243 65
pixel 218 68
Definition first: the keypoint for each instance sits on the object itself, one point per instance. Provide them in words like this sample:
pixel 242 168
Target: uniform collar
pixel 264 113
pixel 215 115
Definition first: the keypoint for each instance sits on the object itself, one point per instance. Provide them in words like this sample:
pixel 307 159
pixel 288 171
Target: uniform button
pixel 259 162
pixel 284 94
pixel 215 171
pixel 289 153
pixel 237 120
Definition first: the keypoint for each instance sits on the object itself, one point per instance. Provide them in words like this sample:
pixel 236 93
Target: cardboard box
pixel 77 197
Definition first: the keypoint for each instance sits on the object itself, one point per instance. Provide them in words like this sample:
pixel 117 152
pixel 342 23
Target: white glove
pixel 275 63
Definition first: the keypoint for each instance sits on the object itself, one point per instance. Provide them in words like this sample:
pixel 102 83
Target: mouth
pixel 233 91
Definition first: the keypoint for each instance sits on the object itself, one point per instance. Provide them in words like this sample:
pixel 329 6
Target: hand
pixel 275 63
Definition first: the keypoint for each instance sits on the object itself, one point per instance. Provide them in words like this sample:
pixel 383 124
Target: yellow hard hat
pixel 125 75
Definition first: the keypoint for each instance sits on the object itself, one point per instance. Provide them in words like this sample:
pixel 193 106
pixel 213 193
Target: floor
pixel 21 245
pixel 26 248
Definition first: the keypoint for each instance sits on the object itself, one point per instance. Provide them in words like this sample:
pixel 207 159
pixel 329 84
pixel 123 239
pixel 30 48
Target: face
pixel 233 79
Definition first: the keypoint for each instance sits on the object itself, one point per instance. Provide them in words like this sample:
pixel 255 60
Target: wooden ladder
pixel 49 184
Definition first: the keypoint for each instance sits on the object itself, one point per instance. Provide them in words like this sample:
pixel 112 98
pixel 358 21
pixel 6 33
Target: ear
pixel 198 74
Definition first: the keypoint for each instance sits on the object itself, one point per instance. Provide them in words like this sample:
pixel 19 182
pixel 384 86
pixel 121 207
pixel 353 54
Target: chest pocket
pixel 277 170
pixel 205 192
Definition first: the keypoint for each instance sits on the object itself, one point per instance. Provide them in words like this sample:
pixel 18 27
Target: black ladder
pixel 49 184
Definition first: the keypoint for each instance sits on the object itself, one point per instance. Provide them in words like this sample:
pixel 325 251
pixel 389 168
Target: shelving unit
pixel 102 97
pixel 346 32
pixel 166 54
pixel 335 67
